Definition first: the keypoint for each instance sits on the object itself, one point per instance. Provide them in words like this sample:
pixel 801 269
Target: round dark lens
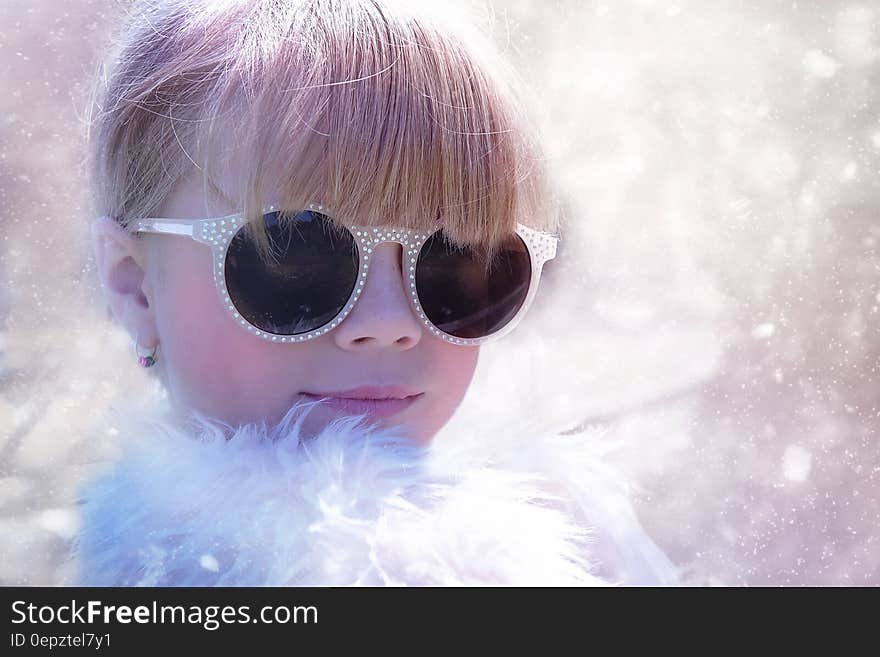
pixel 467 297
pixel 304 282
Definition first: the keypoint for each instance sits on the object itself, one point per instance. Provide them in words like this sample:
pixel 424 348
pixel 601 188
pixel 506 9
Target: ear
pixel 121 263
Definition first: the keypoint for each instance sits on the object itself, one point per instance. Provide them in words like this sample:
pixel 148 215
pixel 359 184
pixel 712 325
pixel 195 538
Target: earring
pixel 147 360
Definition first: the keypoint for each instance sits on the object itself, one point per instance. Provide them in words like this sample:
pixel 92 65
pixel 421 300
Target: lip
pixel 370 392
pixel 372 407
pixel 377 401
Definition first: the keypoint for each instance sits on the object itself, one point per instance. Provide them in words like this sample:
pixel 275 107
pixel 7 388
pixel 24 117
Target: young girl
pixel 313 214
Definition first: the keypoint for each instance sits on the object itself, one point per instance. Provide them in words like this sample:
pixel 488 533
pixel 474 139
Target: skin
pixel 160 289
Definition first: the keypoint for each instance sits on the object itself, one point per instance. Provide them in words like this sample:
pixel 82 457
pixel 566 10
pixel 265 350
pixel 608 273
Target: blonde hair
pixel 386 114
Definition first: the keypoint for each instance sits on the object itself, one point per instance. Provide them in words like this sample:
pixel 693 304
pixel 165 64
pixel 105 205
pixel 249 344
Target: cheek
pixel 452 372
pixel 459 365
pixel 212 365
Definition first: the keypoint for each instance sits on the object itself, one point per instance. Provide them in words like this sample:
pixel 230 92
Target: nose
pixel 382 315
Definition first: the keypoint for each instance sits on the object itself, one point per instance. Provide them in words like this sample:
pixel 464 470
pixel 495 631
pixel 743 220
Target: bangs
pixel 383 118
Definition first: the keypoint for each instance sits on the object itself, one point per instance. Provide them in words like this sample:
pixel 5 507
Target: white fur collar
pixel 358 504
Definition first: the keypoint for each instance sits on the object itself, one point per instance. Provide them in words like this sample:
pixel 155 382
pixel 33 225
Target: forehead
pixel 199 195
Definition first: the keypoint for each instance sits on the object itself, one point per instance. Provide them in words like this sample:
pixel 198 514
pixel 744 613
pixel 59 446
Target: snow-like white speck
pixel 796 463
pixel 763 331
pixel 209 562
pixel 820 65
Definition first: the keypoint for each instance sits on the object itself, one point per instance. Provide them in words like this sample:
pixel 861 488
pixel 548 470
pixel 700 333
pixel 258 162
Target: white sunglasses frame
pixel 219 232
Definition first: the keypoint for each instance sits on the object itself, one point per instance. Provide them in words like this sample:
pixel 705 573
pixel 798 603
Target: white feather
pixel 206 504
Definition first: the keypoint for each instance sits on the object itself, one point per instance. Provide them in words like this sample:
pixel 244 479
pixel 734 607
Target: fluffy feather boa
pixel 202 504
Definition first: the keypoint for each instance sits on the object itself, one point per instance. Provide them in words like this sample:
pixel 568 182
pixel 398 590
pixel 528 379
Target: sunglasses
pixel 318 268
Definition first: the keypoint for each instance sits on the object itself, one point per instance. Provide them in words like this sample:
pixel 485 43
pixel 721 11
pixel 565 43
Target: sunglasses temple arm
pixel 169 226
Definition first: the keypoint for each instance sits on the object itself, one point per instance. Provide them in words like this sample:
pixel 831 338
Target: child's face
pixel 211 364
